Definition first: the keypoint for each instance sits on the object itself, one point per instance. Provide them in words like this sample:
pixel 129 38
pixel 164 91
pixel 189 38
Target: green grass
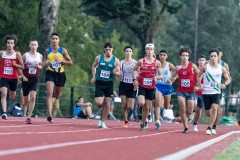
pixel 230 153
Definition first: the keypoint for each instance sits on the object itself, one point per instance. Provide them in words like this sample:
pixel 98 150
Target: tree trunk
pixel 196 33
pixel 48 19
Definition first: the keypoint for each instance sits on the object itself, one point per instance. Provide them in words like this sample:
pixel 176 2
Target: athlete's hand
pixel 169 81
pixel 195 88
pixel 223 86
pixel 93 80
pixel 25 79
pixel 57 59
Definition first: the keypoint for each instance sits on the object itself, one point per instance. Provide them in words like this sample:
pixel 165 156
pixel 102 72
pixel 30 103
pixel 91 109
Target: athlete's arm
pixel 195 68
pixel 20 71
pixel 87 104
pixel 226 77
pixel 159 70
pixel 136 68
pixel 171 66
pixel 68 60
pixel 200 76
pixel 20 65
pixel 174 75
pixel 94 67
pixel 228 71
pixel 40 65
pixel 116 70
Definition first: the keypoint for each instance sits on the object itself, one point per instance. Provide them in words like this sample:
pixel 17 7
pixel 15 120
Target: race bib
pixel 32 70
pixel 105 74
pixel 185 82
pixel 164 79
pixel 147 81
pixel 212 84
pixel 8 70
pixel 56 65
pixel 127 79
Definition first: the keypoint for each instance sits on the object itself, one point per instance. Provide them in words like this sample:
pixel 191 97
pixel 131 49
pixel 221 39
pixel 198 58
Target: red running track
pixel 67 139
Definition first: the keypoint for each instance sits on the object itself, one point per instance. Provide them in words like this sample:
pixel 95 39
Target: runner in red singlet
pixel 146 81
pixel 186 83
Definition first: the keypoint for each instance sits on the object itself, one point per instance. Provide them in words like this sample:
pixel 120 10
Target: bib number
pixel 127 80
pixel 185 82
pixel 147 81
pixel 8 70
pixel 212 84
pixel 32 71
pixel 56 65
pixel 105 74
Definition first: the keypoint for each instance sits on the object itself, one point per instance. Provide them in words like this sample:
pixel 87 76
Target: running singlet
pixel 105 69
pixel 186 81
pixel 7 70
pixel 53 65
pixel 212 80
pixel 126 71
pixel 166 73
pixel 30 65
pixel 147 74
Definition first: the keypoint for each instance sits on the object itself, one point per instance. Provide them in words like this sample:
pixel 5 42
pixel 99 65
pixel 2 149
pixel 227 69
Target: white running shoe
pixel 213 131
pixel 99 124
pixel 195 129
pixel 103 125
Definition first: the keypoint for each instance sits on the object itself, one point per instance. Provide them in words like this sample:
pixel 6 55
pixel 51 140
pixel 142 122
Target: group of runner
pixel 28 66
pixel 197 86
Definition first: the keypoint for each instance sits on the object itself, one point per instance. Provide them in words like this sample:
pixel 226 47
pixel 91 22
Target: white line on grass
pixel 196 148
pixel 59 145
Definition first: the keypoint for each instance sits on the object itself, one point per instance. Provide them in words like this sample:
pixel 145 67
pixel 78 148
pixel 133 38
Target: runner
pixel 147 81
pixel 32 63
pixel 57 57
pixel 126 91
pixel 164 85
pixel 185 91
pixel 11 61
pixel 104 70
pixel 198 100
pixel 212 86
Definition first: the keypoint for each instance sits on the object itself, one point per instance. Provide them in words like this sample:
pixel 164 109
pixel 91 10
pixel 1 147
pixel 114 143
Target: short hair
pixel 219 49
pixel 108 44
pixel 214 50
pixel 202 56
pixel 55 34
pixel 163 51
pixel 33 40
pixel 80 97
pixel 10 37
pixel 127 48
pixel 184 49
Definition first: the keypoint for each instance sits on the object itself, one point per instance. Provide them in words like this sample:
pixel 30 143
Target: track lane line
pixel 180 155
pixel 66 144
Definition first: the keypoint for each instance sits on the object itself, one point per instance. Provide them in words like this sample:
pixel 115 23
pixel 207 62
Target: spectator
pixel 232 104
pixel 82 110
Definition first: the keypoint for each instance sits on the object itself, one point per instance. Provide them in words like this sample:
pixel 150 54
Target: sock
pixel 194 123
pixel 209 128
pixel 126 121
pixel 214 126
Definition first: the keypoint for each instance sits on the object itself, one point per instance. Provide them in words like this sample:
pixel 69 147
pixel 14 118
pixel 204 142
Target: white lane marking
pixel 196 148
pixel 39 125
pixel 58 145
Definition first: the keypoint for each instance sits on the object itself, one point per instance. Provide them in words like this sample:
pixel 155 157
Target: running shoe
pixel 125 125
pixel 50 119
pixel 103 125
pixel 28 121
pixel 208 132
pixel 157 125
pixel 146 125
pixel 213 131
pixel 185 130
pixel 142 127
pixel 4 116
pixel 195 129
pixel 99 124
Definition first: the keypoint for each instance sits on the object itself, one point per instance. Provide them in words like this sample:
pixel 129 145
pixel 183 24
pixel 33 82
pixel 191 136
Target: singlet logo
pixel 8 62
pixel 110 65
pixel 218 75
pixel 184 73
pixel 102 64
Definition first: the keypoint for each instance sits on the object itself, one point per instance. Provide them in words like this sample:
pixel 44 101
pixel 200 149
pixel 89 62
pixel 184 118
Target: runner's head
pixel 163 55
pixel 33 44
pixel 220 52
pixel 55 38
pixel 214 55
pixel 149 49
pixel 108 49
pixel 201 60
pixel 128 51
pixel 184 52
pixel 11 41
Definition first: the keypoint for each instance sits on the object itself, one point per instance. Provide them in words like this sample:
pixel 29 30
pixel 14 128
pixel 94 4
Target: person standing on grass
pixel 212 85
pixel 32 63
pixel 57 58
pixel 126 91
pixel 11 61
pixel 199 99
pixel 146 81
pixel 105 69
pixel 186 83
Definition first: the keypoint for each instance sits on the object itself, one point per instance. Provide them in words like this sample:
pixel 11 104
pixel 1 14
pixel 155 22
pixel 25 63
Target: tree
pixel 141 17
